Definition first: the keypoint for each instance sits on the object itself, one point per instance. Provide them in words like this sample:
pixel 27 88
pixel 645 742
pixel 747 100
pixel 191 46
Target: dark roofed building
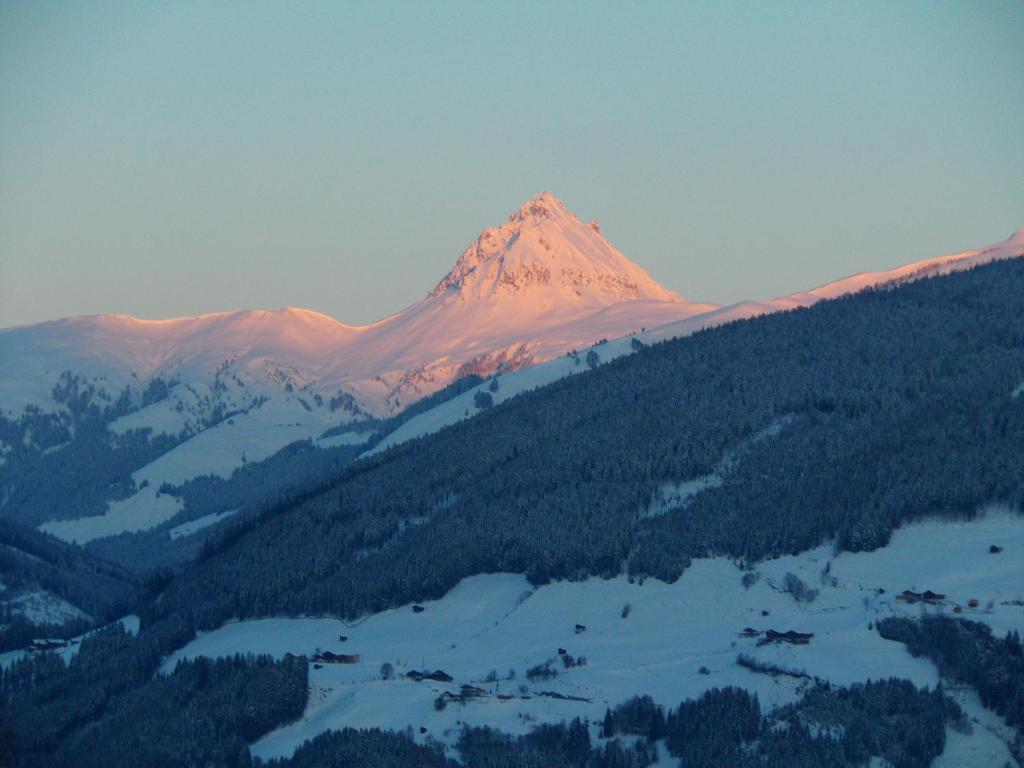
pixel 795 638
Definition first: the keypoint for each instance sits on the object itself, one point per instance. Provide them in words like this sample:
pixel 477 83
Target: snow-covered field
pixel 139 512
pixel 245 437
pixel 498 623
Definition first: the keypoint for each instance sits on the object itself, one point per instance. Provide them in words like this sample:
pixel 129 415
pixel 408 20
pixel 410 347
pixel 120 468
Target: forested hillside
pixel 68 463
pixel 839 421
pixel 32 563
pixel 253 486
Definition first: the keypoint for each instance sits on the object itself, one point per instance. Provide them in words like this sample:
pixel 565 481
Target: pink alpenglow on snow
pixel 540 284
pixel 522 293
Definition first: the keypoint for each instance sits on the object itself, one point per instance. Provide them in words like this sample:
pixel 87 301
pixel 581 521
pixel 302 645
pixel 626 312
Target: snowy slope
pixel 498 622
pixel 1010 248
pixel 511 384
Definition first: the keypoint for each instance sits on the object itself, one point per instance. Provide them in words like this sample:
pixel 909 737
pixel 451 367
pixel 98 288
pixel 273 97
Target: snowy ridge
pixel 533 288
pixel 511 384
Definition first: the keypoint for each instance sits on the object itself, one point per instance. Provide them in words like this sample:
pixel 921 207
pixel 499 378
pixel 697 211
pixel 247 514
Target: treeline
pixel 968 652
pixel 370 748
pixel 894 404
pixel 562 744
pixel 109 706
pixel 829 726
pixel 724 728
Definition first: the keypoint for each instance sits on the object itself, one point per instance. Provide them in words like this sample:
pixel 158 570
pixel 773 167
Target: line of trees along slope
pixel 893 404
pixel 828 726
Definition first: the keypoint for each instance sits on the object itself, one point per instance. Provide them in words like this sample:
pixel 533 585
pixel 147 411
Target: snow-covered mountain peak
pixel 543 205
pixel 546 252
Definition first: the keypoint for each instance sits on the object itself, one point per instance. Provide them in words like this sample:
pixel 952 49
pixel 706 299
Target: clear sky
pixel 163 159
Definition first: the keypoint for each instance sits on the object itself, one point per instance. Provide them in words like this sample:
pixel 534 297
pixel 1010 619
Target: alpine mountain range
pixel 553 513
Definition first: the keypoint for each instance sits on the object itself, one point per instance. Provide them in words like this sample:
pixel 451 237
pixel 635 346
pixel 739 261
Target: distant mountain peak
pixel 543 205
pixel 545 250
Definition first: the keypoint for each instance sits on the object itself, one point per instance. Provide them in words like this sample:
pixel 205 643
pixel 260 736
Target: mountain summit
pixel 528 290
pixel 546 251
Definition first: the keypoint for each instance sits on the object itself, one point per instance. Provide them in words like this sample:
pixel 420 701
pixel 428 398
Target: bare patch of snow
pixel 674 495
pixel 144 510
pixel 187 529
pixel 671 495
pixel 984 741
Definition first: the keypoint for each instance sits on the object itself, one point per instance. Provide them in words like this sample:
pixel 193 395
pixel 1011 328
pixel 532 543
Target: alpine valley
pixel 552 514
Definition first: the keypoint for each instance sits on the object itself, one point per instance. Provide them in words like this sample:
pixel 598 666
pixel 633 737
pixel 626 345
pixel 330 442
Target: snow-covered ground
pixel 252 436
pixel 246 437
pixel 509 385
pixel 141 511
pixel 499 623
pixel 984 743
pixel 187 529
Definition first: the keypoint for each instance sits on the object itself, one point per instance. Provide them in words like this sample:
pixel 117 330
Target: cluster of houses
pixel 928 597
pixel 466 693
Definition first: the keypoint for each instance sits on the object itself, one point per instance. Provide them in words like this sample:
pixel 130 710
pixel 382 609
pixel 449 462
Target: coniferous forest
pixel 893 403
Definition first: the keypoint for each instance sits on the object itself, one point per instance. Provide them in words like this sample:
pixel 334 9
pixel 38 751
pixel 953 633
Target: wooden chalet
pixel 791 637
pixel 327 657
pixel 910 597
pixel 438 676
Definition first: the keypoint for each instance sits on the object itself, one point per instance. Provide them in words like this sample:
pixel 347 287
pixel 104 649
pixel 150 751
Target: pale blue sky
pixel 163 159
